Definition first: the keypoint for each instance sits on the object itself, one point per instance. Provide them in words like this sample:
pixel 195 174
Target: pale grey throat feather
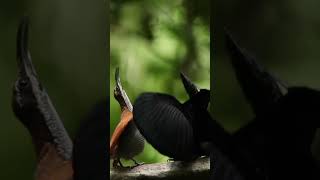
pixel 120 93
pixel 55 126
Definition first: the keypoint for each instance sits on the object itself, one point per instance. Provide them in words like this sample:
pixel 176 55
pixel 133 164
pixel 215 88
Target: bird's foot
pixel 136 163
pixel 117 164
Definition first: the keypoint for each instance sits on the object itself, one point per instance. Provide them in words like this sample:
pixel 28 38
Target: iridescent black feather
pixel 162 121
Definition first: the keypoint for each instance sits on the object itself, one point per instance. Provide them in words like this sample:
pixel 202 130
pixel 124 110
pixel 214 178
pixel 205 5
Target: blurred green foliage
pixel 283 35
pixel 68 48
pixel 151 42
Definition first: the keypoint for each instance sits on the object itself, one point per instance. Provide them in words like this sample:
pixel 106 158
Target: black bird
pixel 167 124
pixel 187 131
pixel 281 134
pixel 259 86
pixel 90 153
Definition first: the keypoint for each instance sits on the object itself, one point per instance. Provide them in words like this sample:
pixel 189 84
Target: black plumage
pixel 166 124
pixel 184 131
pixel 258 85
pixel 280 136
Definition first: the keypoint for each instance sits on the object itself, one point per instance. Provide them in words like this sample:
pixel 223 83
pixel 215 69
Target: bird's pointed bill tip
pixel 22 36
pixel 117 75
pixel 23 57
pixel 182 75
pixel 229 37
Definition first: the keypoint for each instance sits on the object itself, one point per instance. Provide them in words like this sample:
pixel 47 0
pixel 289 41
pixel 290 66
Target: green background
pixel 151 42
pixel 69 51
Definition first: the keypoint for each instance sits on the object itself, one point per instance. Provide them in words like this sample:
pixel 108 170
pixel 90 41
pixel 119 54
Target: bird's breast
pixel 131 142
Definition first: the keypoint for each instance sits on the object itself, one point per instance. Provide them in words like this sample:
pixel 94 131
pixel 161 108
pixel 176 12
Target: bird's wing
pixel 259 86
pixel 160 119
pixel 126 117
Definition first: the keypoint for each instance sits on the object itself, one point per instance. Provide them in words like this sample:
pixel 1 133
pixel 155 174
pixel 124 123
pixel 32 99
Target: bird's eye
pixel 23 83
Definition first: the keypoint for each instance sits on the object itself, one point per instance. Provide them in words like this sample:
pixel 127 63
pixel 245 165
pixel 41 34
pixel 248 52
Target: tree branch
pixel 198 169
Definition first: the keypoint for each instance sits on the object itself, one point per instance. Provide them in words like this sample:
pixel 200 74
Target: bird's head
pixel 27 89
pixel 199 97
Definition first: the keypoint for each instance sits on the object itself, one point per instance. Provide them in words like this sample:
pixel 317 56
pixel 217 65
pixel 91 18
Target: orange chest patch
pixel 126 117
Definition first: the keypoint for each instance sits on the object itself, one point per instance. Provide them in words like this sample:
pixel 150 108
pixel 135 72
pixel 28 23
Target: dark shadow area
pixel 67 41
